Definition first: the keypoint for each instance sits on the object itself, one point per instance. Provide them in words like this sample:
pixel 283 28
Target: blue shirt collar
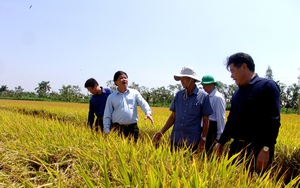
pixel 127 91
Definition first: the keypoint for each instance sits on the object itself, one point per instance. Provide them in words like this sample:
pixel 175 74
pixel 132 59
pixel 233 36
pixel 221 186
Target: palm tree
pixel 43 89
pixel 3 88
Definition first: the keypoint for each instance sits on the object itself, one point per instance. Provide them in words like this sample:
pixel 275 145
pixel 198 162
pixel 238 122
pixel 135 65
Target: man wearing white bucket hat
pixel 189 107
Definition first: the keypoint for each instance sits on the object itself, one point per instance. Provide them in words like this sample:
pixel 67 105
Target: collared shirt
pixel 122 108
pixel 189 111
pixel 97 104
pixel 218 105
pixel 255 113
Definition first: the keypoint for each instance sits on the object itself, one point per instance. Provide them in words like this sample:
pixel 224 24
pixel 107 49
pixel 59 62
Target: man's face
pixel 238 74
pixel 122 81
pixel 186 81
pixel 92 90
pixel 208 88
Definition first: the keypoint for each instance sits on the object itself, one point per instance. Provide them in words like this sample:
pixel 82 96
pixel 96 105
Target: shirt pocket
pixel 130 103
pixel 194 109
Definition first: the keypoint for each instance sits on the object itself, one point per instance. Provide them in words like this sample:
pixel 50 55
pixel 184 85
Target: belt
pixel 124 125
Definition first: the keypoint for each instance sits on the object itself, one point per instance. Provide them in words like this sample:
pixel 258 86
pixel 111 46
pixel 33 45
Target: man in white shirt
pixel 120 112
pixel 217 119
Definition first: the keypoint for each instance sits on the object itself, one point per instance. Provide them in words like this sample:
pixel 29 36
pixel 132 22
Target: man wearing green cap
pixel 217 119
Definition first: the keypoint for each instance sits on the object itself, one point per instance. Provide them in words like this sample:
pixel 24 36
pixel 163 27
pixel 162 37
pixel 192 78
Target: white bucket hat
pixel 187 72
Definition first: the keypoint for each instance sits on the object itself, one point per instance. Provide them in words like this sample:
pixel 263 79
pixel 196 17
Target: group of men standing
pixel 117 109
pixel 198 116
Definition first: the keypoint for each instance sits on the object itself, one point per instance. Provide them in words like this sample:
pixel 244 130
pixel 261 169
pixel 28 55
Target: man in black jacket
pixel 254 118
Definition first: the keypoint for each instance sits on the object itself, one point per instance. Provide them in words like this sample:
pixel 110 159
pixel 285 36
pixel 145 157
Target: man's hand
pixel 201 146
pixel 218 148
pixel 262 160
pixel 148 116
pixel 156 138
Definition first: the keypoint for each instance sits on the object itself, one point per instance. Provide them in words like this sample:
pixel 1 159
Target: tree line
pixel 159 96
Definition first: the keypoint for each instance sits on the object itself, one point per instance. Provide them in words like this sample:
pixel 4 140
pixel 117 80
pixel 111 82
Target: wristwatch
pixel 203 138
pixel 266 148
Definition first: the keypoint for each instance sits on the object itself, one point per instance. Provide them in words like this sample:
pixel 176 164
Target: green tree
pixel 292 94
pixel 134 86
pixel 55 96
pixel 282 88
pixel 18 92
pixel 175 88
pixel 166 96
pixel 222 88
pixel 145 92
pixel 111 84
pixel 155 95
pixel 162 96
pixel 230 90
pixel 3 88
pixel 43 89
pixel 29 95
pixel 269 73
pixel 70 93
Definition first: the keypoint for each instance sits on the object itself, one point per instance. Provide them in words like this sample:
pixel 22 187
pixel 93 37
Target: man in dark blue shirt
pixel 254 118
pixel 97 103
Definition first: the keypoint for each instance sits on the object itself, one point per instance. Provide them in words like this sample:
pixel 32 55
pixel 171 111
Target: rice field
pixel 47 144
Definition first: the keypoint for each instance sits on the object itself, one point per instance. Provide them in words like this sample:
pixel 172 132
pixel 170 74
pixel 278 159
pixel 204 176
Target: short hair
pixel 118 73
pixel 90 83
pixel 238 59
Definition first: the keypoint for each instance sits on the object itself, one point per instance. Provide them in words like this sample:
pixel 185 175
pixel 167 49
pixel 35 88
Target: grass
pixel 39 150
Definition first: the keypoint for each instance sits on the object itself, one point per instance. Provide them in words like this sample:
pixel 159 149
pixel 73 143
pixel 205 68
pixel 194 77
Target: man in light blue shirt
pixel 120 112
pixel 217 119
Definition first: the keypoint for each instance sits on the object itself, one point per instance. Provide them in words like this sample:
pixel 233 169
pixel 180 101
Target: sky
pixel 67 42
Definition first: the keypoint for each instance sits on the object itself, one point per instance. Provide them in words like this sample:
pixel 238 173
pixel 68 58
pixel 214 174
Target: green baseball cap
pixel 208 79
